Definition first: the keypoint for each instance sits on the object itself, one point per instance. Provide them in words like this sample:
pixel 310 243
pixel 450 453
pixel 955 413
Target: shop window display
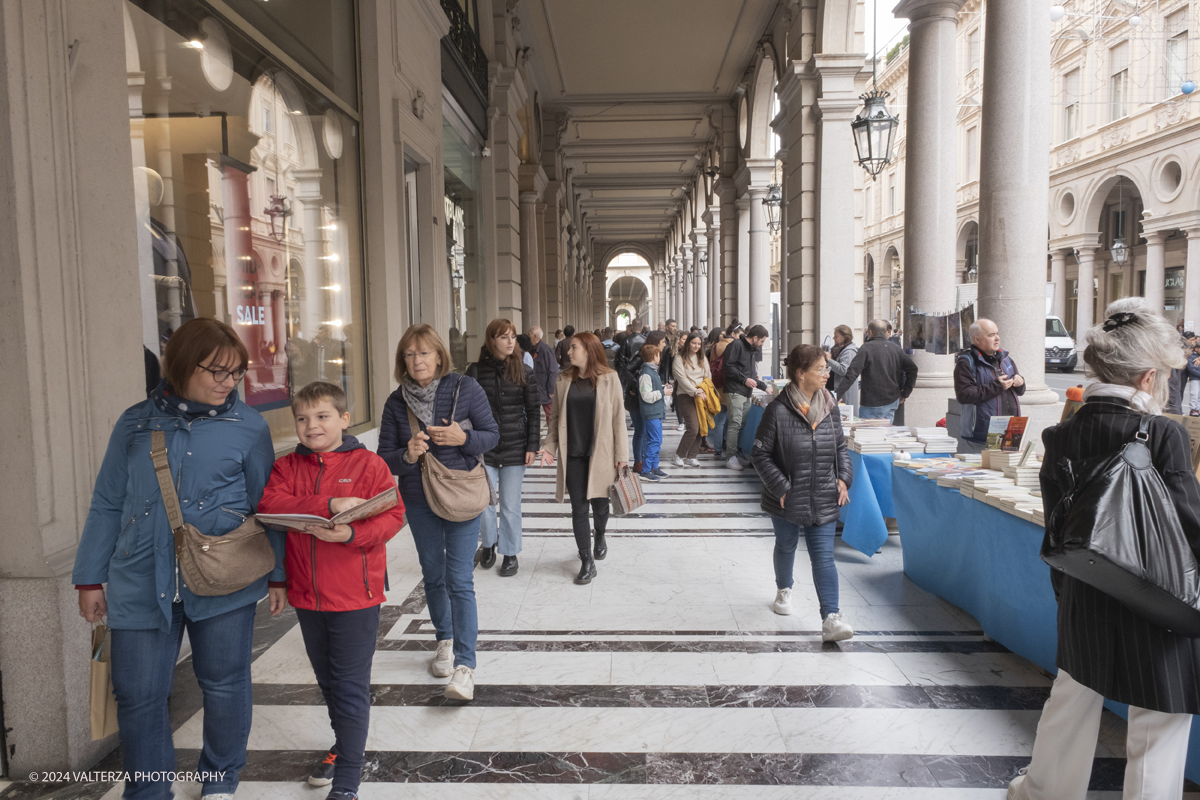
pixel 247 189
pixel 461 212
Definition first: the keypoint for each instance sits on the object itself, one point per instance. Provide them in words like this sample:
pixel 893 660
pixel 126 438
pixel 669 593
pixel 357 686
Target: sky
pixel 889 27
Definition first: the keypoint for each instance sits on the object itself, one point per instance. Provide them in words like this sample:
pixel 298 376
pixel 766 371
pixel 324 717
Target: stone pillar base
pixel 928 404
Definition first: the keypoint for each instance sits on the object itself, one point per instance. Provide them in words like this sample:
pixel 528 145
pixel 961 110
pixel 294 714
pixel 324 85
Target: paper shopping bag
pixel 103 701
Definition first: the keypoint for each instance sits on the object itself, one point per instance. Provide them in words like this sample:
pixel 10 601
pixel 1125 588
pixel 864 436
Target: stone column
pixel 1084 295
pixel 702 266
pixel 743 260
pixel 1058 276
pixel 760 272
pixel 1014 195
pixel 1191 278
pixel 713 243
pixel 687 312
pixel 530 284
pixel 507 97
pixel 543 309
pixel 1156 269
pixel 931 184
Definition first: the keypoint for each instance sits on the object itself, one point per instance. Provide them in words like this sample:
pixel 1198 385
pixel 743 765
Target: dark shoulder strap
pixel 1143 432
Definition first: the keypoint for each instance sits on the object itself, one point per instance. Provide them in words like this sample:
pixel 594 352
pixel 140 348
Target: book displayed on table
pixel 368 508
pixel 997 427
pixel 1014 433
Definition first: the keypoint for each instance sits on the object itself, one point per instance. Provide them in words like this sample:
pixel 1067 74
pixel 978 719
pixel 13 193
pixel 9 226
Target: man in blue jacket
pixel 986 379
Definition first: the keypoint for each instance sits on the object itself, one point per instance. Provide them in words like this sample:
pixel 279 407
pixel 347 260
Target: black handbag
pixel 1116 529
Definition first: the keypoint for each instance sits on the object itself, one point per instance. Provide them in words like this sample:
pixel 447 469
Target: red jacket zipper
pixel 316 490
pixel 366 581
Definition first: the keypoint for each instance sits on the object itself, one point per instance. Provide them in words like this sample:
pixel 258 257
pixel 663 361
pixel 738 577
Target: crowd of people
pixel 605 397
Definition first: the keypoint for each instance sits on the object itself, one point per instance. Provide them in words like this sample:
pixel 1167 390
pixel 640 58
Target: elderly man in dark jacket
pixel 888 374
pixel 800 455
pixel 986 383
pixel 545 369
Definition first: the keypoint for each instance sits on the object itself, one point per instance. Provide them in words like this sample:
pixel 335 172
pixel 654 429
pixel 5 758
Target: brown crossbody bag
pixel 456 495
pixel 211 565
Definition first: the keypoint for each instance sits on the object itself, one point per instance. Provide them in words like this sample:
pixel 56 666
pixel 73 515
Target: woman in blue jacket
pixel 446 549
pixel 220 454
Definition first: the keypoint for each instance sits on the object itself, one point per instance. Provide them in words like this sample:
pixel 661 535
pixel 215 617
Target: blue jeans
pixel 819 540
pixel 887 412
pixel 716 436
pixel 446 551
pixel 143 666
pixel 507 481
pixel 639 435
pixel 653 444
pixel 341 647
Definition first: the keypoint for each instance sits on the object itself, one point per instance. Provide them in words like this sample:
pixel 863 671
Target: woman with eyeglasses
pixel 800 455
pixel 458 440
pixel 220 455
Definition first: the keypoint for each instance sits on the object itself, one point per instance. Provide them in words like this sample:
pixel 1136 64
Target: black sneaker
pixel 322 774
pixel 341 794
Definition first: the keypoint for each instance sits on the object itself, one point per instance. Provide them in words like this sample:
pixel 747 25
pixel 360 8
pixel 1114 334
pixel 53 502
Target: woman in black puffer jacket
pixel 513 396
pixel 800 455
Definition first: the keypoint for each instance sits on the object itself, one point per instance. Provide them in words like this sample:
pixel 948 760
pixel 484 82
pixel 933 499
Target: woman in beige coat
pixel 691 369
pixel 587 435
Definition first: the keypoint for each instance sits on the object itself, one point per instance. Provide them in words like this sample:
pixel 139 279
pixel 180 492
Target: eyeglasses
pixel 824 370
pixel 423 355
pixel 222 375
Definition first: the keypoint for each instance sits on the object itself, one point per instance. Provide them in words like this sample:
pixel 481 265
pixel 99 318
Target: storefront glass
pixel 248 210
pixel 1173 295
pixel 461 150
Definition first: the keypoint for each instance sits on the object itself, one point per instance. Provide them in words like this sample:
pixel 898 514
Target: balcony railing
pixel 462 35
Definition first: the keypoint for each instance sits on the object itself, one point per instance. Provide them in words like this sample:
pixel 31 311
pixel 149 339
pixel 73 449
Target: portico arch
pixel 1099 192
pixel 762 106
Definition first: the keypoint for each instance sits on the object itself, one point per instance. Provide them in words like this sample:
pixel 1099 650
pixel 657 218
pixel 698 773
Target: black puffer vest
pixel 515 408
pixel 801 464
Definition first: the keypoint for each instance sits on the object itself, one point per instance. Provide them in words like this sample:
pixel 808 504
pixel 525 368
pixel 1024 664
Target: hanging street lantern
pixel 278 210
pixel 874 133
pixel 1120 251
pixel 774 203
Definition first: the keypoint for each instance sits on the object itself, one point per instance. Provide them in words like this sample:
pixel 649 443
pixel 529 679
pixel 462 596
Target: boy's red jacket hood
pixel 333 576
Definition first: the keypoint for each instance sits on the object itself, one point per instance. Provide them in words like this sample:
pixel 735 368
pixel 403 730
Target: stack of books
pixel 936 440
pixel 869 440
pixel 1026 475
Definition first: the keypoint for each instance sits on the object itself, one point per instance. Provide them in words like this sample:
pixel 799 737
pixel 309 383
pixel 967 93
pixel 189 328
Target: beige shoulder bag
pixel 455 495
pixel 211 565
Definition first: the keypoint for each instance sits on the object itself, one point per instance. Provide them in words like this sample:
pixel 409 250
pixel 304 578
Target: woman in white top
pixel 690 369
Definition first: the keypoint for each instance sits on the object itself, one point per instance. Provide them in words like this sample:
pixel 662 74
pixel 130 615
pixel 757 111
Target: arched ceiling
pixel 631 80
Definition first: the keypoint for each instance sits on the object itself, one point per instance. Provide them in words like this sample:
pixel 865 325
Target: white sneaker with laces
pixel 691 462
pixel 443 661
pixel 679 462
pixel 461 685
pixel 681 428
pixel 835 628
pixel 783 602
pixel 218 796
pixel 733 463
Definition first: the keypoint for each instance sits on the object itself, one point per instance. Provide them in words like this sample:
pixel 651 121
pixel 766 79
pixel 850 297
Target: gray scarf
pixel 420 400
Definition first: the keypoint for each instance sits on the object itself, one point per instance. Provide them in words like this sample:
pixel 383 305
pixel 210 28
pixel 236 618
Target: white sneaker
pixel 835 629
pixel 783 602
pixel 681 428
pixel 218 796
pixel 461 685
pixel 691 462
pixel 1015 789
pixel 679 462
pixel 443 661
pixel 733 463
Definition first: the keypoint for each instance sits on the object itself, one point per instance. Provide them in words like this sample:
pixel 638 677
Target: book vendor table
pixel 863 524
pixel 986 562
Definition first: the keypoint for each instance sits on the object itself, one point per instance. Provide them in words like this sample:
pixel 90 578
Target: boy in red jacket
pixel 335 575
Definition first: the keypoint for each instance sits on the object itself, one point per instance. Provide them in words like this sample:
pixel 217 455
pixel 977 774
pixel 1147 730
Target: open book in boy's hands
pixel 368 508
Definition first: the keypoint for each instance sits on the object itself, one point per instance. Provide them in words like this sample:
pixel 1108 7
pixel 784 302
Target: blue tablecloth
pixel 863 526
pixel 986 562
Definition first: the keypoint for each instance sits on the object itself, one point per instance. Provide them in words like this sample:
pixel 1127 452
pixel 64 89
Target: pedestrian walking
pixel 331 472
pixel 219 453
pixel 888 374
pixel 457 435
pixel 1106 650
pixel 513 397
pixel 741 378
pixel 841 356
pixel 560 347
pixel 545 369
pixel 691 370
pixel 800 454
pixel 587 436
pixel 628 366
pixel 652 400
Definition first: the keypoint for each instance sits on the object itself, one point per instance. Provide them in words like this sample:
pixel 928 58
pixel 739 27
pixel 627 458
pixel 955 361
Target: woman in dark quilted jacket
pixel 513 396
pixel 800 455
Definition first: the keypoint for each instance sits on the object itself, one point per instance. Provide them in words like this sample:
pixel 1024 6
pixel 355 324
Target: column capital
pixel 1155 237
pixel 1078 242
pixel 530 198
pixel 532 178
pixel 755 172
pixel 923 10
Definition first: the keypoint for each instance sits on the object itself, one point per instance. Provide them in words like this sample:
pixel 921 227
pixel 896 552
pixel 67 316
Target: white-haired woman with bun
pixel 1106 650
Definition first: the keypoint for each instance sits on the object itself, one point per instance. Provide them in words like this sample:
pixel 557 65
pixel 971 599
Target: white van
pixel 1060 347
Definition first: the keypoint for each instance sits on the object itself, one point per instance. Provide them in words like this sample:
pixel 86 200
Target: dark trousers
pixel 341 645
pixel 689 444
pixel 577 481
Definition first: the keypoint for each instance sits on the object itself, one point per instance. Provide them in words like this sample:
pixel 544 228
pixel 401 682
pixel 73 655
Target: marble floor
pixel 669 676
